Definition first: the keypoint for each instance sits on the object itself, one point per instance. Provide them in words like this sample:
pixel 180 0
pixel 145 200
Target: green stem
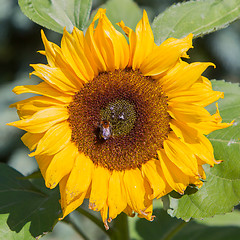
pixel 98 222
pixel 169 235
pixel 76 228
pixel 119 229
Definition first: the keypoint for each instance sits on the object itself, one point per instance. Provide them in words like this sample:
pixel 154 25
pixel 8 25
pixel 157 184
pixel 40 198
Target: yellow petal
pixel 45 90
pixel 99 191
pixel 43 120
pixel 74 51
pixel 80 178
pixel 188 113
pixel 153 172
pixel 85 53
pixel 43 163
pixel 26 108
pixel 181 155
pixel 56 59
pixel 132 41
pixel 31 139
pixel 68 207
pixel 200 93
pixel 61 164
pixel 199 144
pixel 173 175
pixel 137 191
pixel 38 101
pixel 116 197
pixel 54 140
pixel 49 50
pixel 182 76
pixel 55 78
pixel 70 53
pixel 90 39
pixel 165 56
pixel 210 125
pixel 141 42
pixel 108 45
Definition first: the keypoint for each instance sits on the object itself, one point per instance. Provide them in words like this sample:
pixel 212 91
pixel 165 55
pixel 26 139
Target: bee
pixel 105 129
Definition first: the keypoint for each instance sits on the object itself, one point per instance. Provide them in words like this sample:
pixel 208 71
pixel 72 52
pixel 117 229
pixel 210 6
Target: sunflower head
pixel 118 122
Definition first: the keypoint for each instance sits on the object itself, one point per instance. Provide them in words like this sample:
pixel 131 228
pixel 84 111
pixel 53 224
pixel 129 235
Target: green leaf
pixel 221 191
pixel 7 234
pixel 24 202
pixel 197 17
pixel 56 15
pixel 166 227
pixel 125 10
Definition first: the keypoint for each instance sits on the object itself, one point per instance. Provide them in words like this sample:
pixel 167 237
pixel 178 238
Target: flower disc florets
pixel 130 108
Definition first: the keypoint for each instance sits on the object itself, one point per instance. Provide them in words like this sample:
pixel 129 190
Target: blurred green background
pixel 19 42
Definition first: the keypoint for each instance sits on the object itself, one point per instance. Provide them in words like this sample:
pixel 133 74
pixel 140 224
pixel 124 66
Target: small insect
pixel 105 129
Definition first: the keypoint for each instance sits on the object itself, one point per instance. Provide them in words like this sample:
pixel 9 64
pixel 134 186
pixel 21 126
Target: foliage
pixel 56 15
pixel 27 206
pixel 197 17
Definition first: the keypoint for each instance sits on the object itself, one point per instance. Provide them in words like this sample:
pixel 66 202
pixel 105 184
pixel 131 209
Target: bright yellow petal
pixel 61 164
pixel 85 53
pixel 111 43
pixel 153 172
pixel 80 178
pixel 43 120
pixel 38 101
pixel 173 175
pixel 55 78
pixel 141 42
pixel 45 90
pixel 74 51
pixel 116 197
pixel 188 113
pixel 181 155
pixel 26 108
pixel 43 163
pixel 107 44
pixel 31 139
pixel 182 76
pixel 210 125
pixel 49 50
pixel 98 58
pixel 69 207
pixel 137 191
pixel 165 56
pixel 200 93
pixel 99 191
pixel 198 143
pixel 54 140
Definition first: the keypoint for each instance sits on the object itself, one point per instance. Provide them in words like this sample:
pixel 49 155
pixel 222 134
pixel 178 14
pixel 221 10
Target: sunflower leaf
pixel 217 228
pixel 197 17
pixel 25 209
pixel 221 191
pixel 7 234
pixel 56 15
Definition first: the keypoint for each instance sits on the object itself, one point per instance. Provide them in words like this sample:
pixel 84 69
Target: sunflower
pixel 118 122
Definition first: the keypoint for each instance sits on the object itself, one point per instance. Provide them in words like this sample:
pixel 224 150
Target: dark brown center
pixel 119 119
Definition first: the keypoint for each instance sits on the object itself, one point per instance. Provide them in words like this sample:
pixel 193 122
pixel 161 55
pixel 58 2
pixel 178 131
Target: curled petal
pixel 165 56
